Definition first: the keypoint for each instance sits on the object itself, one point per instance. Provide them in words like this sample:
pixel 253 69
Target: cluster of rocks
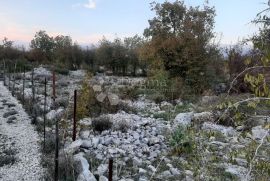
pixel 140 143
pixel 145 142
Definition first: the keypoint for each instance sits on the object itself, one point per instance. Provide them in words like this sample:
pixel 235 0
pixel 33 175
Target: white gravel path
pixel 21 137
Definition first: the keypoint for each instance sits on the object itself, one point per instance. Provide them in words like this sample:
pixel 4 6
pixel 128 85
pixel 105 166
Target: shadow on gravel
pixel 7 155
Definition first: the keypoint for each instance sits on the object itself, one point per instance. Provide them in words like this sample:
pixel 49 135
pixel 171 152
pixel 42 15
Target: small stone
pixel 11 119
pixel 99 156
pixel 112 151
pixel 152 168
pixel 189 173
pixel 241 162
pixel 153 141
pixel 84 134
pixel 142 179
pixel 258 132
pixel 175 171
pixel 165 174
pixel 203 117
pixel 74 146
pixel 108 141
pixel 136 135
pixel 10 113
pixel 142 171
pixel 184 119
pixel 116 141
pixel 86 144
pixel 95 141
pixel 103 178
pixel 102 169
pixel 10 104
pixel 137 161
pixel 237 171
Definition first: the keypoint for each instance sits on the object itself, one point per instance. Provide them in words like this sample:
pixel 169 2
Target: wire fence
pixel 25 86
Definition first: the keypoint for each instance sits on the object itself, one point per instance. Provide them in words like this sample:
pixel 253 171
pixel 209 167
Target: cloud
pixel 90 5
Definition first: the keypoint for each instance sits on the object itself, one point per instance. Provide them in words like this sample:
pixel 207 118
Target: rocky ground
pixel 19 148
pixel 148 140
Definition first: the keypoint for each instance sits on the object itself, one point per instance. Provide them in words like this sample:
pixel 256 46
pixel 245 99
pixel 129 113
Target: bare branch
pixel 255 155
pixel 156 168
pixel 243 101
pixel 241 73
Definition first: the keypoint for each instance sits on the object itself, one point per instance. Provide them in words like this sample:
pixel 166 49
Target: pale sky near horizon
pixel 87 21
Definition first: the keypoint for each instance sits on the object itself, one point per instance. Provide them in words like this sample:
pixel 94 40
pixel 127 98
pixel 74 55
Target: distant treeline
pixel 177 45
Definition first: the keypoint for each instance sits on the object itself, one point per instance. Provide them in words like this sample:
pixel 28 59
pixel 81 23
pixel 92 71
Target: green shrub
pixel 86 97
pixel 49 143
pixel 122 126
pixel 65 167
pixel 157 96
pixel 101 123
pixel 181 141
pixel 62 71
pixel 130 93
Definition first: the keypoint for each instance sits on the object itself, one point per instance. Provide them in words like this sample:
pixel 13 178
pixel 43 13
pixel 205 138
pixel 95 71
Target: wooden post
pixel 74 116
pixel 14 74
pixel 33 86
pixel 56 134
pixel 4 73
pixel 110 169
pixel 54 79
pixel 23 98
pixel 9 78
pixel 44 113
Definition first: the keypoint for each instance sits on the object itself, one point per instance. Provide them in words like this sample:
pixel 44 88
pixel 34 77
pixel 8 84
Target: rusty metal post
pixel 74 115
pixel 23 98
pixel 44 112
pixel 5 73
pixel 33 86
pixel 54 79
pixel 14 75
pixel 110 169
pixel 9 78
pixel 56 134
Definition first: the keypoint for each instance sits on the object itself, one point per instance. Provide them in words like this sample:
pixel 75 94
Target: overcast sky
pixel 86 21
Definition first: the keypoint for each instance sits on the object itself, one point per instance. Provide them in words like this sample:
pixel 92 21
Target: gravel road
pixel 20 156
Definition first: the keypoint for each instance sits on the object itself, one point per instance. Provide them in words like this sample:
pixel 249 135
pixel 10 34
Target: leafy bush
pixel 130 93
pixel 49 143
pixel 65 167
pixel 181 141
pixel 102 123
pixel 62 71
pixel 86 97
pixel 156 96
pixel 122 126
pixel 61 102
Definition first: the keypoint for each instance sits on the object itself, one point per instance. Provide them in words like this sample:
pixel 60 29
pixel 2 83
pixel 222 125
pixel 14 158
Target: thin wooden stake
pixel 56 134
pixel 110 169
pixel 14 74
pixel 23 99
pixel 33 87
pixel 9 79
pixel 74 116
pixel 44 113
pixel 4 73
